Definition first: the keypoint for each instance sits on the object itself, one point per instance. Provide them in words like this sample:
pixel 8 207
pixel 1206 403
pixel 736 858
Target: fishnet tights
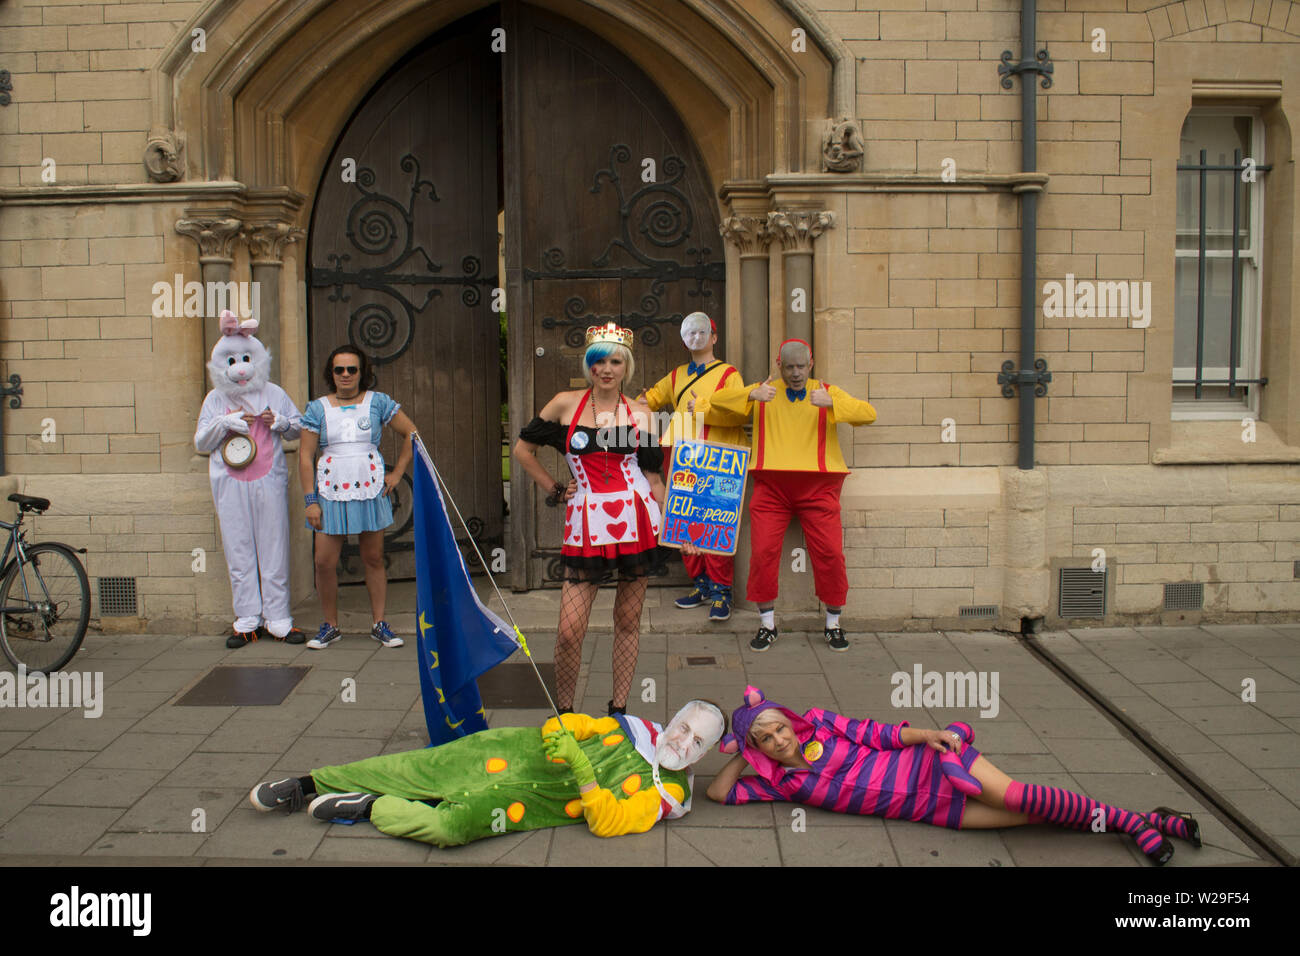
pixel 576 600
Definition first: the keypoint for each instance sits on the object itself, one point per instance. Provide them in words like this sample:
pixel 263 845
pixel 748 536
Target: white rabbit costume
pixel 251 501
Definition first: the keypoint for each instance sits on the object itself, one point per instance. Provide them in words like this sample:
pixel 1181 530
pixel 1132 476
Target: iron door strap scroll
pixel 659 215
pixel 378 225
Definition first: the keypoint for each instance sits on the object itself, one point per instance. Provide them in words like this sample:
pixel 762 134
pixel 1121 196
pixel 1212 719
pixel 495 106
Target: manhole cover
pixel 243 687
pixel 515 685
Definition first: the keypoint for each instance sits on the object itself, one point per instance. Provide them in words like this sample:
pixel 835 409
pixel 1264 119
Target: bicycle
pixel 44 597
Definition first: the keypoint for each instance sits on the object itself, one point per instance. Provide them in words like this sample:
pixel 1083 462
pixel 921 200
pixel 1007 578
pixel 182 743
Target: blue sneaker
pixel 384 635
pixel 703 591
pixel 721 609
pixel 326 636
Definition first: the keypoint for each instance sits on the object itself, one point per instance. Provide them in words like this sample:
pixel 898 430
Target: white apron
pixel 350 467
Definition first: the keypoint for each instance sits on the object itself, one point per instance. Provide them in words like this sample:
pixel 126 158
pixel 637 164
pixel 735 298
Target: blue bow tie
pixel 693 369
pixel 796 396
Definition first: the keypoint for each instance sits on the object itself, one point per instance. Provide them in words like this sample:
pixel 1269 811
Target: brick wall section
pixel 1243 552
pixel 935 328
pixel 78 329
pixel 919 567
pixel 81 87
pixel 145 527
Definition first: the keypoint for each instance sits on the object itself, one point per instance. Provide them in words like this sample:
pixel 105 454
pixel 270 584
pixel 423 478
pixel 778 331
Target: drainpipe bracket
pixel 1010 377
pixel 1042 65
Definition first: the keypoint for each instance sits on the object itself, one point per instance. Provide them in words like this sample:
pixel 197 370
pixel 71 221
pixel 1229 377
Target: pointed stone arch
pixel 264 101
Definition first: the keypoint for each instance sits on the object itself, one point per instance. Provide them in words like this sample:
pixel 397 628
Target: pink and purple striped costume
pixel 861 766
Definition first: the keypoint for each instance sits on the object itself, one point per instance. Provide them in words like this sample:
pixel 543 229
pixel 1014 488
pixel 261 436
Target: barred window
pixel 1217 264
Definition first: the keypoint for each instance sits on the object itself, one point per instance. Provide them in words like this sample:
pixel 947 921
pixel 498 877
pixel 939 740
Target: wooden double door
pixel 517 141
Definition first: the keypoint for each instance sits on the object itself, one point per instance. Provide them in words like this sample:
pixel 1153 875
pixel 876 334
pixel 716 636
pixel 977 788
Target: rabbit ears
pixel 231 325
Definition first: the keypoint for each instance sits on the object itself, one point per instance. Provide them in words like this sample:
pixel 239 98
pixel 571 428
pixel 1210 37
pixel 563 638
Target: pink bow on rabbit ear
pixel 230 325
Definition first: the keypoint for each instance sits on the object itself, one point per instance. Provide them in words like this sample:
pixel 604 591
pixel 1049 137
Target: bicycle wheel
pixel 44 608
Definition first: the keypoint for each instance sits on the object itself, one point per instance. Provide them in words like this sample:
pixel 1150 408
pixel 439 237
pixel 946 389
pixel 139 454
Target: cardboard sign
pixel 705 491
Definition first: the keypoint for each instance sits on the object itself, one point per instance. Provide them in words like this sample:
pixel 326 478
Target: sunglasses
pixel 345 370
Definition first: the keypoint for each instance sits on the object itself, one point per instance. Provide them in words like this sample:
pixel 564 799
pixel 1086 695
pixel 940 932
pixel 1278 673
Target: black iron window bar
pixel 1234 318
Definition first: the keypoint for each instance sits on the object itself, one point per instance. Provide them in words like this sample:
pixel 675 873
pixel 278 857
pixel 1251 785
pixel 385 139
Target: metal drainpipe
pixel 1032 371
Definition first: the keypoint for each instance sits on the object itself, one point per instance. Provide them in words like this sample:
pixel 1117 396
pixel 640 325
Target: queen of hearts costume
pixel 249 477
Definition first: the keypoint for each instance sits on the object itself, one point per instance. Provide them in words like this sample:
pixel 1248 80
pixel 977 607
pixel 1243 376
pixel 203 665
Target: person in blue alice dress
pixel 349 490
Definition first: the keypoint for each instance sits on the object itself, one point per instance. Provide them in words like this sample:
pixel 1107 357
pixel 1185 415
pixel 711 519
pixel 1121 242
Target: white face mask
pixel 696 331
pixel 689 735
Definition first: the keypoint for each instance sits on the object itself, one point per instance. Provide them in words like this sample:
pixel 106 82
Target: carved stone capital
pixel 214 236
pixel 750 234
pixel 842 146
pixel 266 240
pixel 797 230
pixel 162 155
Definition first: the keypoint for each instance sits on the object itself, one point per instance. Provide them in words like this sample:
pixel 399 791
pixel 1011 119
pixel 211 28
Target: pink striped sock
pixel 1074 810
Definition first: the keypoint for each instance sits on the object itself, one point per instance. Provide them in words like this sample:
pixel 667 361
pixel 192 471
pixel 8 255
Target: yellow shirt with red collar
pixel 722 427
pixel 791 436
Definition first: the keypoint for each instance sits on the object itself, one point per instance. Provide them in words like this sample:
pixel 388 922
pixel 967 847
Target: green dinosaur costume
pixel 501 781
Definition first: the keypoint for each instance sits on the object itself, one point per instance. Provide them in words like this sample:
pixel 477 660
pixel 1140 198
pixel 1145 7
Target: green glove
pixel 561 745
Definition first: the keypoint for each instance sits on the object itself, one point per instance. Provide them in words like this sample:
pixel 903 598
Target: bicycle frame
pixel 15 545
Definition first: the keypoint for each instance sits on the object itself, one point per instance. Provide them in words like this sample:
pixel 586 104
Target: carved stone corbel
pixel 797 229
pixel 842 146
pixel 162 155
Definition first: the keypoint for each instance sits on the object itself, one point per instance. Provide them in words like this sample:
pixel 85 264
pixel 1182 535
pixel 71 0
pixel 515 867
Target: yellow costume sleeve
pixel 661 394
pixel 726 406
pixel 609 816
pixel 581 726
pixel 848 410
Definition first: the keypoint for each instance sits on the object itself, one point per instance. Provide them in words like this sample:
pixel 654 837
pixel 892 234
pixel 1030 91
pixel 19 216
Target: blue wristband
pixel 311 499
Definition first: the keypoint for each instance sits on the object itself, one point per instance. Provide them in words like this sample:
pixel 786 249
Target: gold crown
pixel 609 333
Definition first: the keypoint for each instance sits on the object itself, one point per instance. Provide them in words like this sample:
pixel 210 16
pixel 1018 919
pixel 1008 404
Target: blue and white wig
pixel 599 350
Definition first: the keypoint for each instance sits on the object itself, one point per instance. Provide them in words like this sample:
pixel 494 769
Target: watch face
pixel 238 451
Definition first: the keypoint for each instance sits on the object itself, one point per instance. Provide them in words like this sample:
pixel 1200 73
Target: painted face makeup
pixel 696 331
pixel 689 735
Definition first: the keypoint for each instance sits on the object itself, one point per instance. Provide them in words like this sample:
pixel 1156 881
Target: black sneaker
pixel 295 636
pixel 238 639
pixel 280 793
pixel 764 639
pixel 342 806
pixel 836 640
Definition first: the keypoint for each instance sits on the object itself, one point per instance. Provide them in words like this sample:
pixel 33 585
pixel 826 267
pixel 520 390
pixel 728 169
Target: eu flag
pixel 459 638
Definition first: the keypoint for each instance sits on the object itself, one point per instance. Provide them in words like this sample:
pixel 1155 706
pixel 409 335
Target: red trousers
pixel 814 498
pixel 719 567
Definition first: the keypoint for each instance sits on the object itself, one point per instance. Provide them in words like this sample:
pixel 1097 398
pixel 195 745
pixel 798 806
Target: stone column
pixel 214 237
pixel 797 229
pixel 266 242
pixel 751 236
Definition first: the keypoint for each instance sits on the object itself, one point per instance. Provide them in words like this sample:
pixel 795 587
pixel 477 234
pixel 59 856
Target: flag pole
pixel 519 635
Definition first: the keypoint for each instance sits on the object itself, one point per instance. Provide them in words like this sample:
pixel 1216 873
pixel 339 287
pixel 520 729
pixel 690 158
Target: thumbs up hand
pixel 766 392
pixel 690 405
pixel 822 397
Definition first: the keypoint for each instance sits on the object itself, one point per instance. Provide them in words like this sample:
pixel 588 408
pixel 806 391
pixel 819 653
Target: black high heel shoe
pixel 1193 828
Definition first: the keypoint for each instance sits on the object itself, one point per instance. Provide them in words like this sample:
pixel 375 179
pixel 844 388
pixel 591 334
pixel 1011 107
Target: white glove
pixel 281 424
pixel 235 422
